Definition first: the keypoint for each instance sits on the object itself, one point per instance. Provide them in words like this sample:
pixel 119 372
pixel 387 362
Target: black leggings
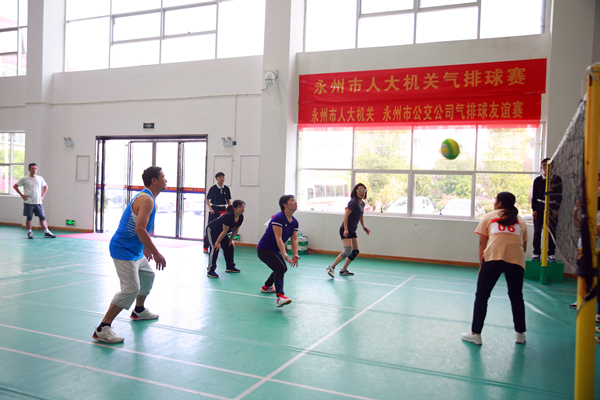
pixel 488 276
pixel 276 262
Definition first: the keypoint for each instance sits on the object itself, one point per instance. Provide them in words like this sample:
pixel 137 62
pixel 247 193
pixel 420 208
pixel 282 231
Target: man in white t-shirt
pixel 34 188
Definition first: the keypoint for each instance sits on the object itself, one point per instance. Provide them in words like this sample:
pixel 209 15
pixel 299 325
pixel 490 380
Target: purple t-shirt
pixel 268 240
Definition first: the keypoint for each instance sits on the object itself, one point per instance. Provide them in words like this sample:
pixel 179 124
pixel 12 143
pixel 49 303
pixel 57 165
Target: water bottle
pixel 300 232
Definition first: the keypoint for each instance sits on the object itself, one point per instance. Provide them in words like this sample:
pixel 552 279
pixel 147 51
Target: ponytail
pixel 509 211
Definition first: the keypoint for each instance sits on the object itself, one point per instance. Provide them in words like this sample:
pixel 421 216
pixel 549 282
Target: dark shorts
pixel 37 209
pixel 351 234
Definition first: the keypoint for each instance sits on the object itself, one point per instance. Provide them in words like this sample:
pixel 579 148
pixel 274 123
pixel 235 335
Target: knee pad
pixel 353 255
pixel 347 251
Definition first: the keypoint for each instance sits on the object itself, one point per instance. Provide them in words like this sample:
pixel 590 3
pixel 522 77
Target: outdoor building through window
pixel 405 172
pixel 13 37
pixel 376 23
pixel 122 33
pixel 12 160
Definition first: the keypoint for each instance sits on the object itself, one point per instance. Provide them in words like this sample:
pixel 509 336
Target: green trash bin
pixel 302 245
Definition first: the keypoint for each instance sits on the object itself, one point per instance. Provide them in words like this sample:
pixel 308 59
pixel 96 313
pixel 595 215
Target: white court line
pixel 135 378
pixel 37 258
pixel 14 244
pixel 52 288
pixel 181 362
pixel 81 271
pixel 424 277
pixel 317 343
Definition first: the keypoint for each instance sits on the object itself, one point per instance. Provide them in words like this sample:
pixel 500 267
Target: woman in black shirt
pixel 353 215
pixel 217 233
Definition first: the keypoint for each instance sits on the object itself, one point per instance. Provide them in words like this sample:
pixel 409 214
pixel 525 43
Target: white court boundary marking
pixel 52 288
pixel 421 277
pixel 104 371
pixel 82 271
pixel 166 359
pixel 317 343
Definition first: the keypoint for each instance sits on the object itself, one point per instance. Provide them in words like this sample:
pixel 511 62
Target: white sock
pixel 47 231
pixel 29 230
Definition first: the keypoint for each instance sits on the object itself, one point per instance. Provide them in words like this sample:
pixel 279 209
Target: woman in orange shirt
pixel 502 244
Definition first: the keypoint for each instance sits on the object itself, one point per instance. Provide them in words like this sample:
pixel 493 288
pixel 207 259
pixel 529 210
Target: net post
pixel 584 346
pixel 545 236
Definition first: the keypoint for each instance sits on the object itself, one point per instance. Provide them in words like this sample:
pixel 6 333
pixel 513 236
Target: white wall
pixel 198 98
pixel 182 102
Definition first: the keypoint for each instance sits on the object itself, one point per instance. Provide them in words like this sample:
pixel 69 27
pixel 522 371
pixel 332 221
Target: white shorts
pixel 136 277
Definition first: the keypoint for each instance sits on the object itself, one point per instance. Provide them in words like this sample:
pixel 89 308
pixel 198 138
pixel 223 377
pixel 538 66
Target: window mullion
pixel 217 29
pixel 478 19
pixel 162 31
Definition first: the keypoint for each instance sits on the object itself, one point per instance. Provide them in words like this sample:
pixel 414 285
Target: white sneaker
pixel 266 289
pixel 331 271
pixel 597 318
pixel 535 257
pixel 146 314
pixel 282 301
pixel 520 337
pixel 471 337
pixel 597 330
pixel 107 335
pixel 551 259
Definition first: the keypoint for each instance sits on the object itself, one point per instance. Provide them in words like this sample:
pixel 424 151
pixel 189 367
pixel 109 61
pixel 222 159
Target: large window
pixel 13 37
pixel 122 33
pixel 346 24
pixel 12 160
pixel 406 174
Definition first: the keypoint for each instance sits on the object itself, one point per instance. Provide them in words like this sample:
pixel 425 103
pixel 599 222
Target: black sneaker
pixel 49 235
pixel 233 270
pixel 346 272
pixel 573 305
pixel 535 258
pixel 29 235
pixel 212 274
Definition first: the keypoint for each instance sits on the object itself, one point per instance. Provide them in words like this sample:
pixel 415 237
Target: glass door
pixel 167 202
pixel 180 208
pixel 116 185
pixel 193 189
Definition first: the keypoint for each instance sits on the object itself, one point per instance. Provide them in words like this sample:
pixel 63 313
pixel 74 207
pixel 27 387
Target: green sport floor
pixel 392 331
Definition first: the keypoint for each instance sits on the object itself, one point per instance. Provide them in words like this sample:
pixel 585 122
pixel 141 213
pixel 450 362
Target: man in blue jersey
pixel 271 247
pixel 131 248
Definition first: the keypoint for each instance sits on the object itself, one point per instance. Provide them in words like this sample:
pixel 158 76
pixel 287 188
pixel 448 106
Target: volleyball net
pixel 576 163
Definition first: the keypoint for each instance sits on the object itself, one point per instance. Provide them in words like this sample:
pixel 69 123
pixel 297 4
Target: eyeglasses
pixel 361 190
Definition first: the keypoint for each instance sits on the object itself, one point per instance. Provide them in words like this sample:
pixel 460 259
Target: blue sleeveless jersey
pixel 125 243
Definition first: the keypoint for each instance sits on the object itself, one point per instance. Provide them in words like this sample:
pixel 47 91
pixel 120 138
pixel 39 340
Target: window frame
pixel 10 165
pixel 161 37
pixel 19 53
pixel 417 9
pixel 539 154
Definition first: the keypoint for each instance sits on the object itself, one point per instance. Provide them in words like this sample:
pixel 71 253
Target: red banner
pixel 507 91
pixel 499 109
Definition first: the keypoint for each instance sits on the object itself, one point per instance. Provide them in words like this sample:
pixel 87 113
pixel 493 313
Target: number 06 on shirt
pixel 511 229
pixel 504 242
